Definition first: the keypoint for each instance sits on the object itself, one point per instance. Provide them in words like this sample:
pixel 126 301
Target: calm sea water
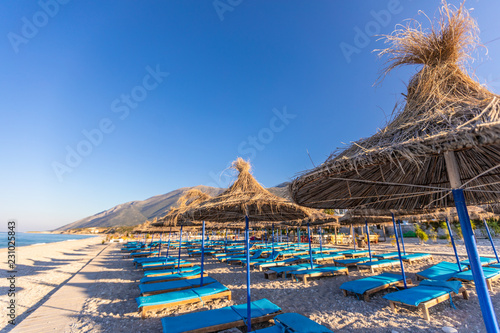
pixel 23 239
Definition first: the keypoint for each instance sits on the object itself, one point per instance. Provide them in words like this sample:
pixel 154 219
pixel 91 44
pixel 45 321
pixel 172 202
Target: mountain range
pixel 137 212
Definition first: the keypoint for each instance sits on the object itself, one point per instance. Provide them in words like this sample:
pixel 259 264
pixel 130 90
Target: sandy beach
pixel 42 269
pixel 110 305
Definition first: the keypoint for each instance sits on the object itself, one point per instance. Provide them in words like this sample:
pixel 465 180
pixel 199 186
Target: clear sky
pixel 105 102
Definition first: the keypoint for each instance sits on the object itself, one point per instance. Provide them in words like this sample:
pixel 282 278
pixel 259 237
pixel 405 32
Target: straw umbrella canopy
pixel 445 138
pixel 190 199
pixel 403 165
pixel 246 197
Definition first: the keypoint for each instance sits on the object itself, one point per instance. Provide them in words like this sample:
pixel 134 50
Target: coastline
pixel 40 270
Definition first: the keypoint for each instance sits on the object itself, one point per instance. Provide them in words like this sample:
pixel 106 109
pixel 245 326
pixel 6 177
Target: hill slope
pixel 136 212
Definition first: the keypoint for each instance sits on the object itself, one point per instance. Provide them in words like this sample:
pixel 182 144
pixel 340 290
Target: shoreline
pixel 41 269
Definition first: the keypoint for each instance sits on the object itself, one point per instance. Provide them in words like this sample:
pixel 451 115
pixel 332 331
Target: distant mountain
pixel 137 212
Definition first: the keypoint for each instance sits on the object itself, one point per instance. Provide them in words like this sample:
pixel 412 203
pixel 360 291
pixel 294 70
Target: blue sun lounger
pixel 194 295
pixel 241 259
pixel 490 274
pixel 373 265
pixel 485 261
pixel 366 286
pixel 354 253
pixel 427 294
pixel 351 262
pixel 276 272
pixel 441 271
pixel 272 264
pixel 221 319
pixel 386 255
pixel 294 322
pixel 172 277
pixel 169 286
pixel 412 257
pixel 166 265
pixel 319 272
pixel 170 271
pixel 143 254
pixel 139 261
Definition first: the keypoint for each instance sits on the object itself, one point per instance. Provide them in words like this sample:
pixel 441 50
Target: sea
pixel 24 238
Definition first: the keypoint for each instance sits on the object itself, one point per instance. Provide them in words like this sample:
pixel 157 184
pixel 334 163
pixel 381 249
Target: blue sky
pixel 112 101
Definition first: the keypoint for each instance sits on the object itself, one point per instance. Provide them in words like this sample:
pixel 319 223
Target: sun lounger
pixel 168 265
pixel 172 277
pixel 294 322
pixel 351 262
pixel 379 264
pixel 317 258
pixel 414 257
pixel 427 294
pixel 441 271
pixel 485 261
pixel 354 253
pixel 259 260
pixel 143 254
pixel 372 284
pixel 283 271
pixel 170 271
pixel 169 286
pixel 194 295
pixel 240 259
pixel 271 264
pixel 221 319
pixel 319 272
pixel 490 274
pixel 386 255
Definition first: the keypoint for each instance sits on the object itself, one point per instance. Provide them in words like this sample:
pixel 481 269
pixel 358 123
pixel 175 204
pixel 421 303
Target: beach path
pixel 63 307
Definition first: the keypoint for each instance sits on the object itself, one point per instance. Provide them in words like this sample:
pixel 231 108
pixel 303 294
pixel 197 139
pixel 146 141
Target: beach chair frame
pixel 366 294
pixel 143 310
pixel 425 306
pixel 305 276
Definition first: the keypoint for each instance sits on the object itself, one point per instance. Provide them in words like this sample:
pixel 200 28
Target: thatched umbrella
pixel 444 139
pixel 247 200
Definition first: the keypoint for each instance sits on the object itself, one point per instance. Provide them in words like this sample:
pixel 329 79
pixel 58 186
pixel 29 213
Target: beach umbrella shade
pixel 246 200
pixel 443 140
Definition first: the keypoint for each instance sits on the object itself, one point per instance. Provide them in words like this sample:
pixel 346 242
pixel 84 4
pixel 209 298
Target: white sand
pixel 111 305
pixel 40 270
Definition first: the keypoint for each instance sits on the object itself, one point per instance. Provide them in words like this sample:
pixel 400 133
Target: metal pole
pixel 320 240
pixel 298 235
pixel 225 243
pixel 202 252
pixel 273 243
pixel 399 251
pixel 287 237
pixel 453 243
pixel 180 247
pixel 168 244
pixel 249 300
pixel 368 237
pixel 159 246
pixel 491 239
pixel 310 249
pixel 453 170
pixel 402 238
pixel 353 238
pixel 489 317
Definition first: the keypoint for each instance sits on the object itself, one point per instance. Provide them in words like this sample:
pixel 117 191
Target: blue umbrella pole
pixel 489 316
pixel 273 242
pixel 180 248
pixel 399 251
pixel 202 252
pixel 168 244
pixel 491 239
pixel 320 240
pixel 310 248
pixel 402 237
pixel 159 246
pixel 353 238
pixel 287 237
pixel 225 243
pixel 368 237
pixel 453 244
pixel 249 299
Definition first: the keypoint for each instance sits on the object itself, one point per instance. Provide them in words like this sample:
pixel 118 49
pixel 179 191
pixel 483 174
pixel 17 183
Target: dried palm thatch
pixel 475 213
pixel 402 166
pixel 247 197
pixel 190 199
